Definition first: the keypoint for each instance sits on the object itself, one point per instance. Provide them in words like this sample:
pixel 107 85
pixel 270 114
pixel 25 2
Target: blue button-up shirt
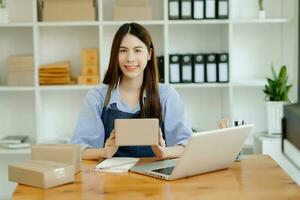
pixel 89 131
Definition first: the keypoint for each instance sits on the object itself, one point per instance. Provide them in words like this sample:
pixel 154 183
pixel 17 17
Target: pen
pixel 238 157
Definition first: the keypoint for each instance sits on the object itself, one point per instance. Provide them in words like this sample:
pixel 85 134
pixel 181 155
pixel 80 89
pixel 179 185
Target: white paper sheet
pixel 210 9
pixel 198 9
pixel 211 72
pixel 174 9
pixel 186 72
pixel 223 72
pixel 223 8
pixel 186 8
pixel 199 73
pixel 174 73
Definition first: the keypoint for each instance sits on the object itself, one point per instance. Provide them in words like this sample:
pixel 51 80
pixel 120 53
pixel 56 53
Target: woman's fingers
pixel 110 142
pixel 158 151
pixel 162 142
pixel 112 134
pixel 161 139
pixel 111 139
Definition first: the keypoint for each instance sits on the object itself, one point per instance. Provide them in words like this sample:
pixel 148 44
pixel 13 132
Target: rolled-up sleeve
pixel 89 131
pixel 176 125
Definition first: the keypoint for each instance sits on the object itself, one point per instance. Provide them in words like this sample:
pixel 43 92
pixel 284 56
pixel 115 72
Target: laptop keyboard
pixel 166 171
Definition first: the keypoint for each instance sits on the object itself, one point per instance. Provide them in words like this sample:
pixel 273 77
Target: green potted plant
pixel 3 11
pixel 2 4
pixel 261 10
pixel 276 91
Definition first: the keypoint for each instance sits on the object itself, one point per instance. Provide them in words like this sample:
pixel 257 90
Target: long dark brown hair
pixel 150 108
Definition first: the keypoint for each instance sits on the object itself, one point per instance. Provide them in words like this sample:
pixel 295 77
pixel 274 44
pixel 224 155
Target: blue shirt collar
pixel 115 98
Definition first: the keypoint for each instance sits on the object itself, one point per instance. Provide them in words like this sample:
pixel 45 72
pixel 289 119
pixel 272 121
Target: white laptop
pixel 205 152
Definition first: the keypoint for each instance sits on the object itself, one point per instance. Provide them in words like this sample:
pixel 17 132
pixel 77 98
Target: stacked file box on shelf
pixel 55 73
pixel 132 10
pixel 68 10
pixel 90 67
pixel 20 70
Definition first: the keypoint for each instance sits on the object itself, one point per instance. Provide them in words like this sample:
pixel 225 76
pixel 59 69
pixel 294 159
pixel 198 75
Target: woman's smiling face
pixel 133 56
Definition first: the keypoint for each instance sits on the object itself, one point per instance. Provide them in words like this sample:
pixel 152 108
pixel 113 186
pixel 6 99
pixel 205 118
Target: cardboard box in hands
pixel 136 132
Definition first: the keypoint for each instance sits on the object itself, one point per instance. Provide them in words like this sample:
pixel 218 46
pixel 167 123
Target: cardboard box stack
pixel 55 73
pixel 50 165
pixel 132 10
pixel 68 10
pixel 89 67
pixel 20 70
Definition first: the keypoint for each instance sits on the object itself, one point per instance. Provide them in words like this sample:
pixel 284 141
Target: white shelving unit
pixel 49 113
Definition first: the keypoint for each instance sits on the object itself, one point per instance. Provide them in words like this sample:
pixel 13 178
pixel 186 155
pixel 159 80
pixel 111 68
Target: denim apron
pixel 108 117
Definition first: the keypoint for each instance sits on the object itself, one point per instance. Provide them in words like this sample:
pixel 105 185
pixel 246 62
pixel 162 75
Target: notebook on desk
pixel 205 152
pixel 116 164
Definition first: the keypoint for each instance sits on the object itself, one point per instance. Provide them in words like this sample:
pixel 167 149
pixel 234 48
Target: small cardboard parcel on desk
pixel 43 174
pixel 63 153
pixel 50 165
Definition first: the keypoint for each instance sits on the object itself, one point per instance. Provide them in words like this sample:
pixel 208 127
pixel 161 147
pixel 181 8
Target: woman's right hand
pixel 110 147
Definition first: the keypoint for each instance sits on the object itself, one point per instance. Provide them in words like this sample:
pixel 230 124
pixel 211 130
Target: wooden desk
pixel 255 177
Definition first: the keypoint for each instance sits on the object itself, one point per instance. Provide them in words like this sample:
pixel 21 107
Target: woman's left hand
pixel 159 150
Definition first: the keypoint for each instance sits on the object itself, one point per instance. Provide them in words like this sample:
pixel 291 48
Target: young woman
pixel 131 90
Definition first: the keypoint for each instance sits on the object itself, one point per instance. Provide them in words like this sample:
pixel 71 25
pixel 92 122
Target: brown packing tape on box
pixel 23 78
pixel 132 2
pixel 90 70
pixel 65 153
pixel 88 80
pixel 133 13
pixel 69 10
pixel 89 56
pixel 42 174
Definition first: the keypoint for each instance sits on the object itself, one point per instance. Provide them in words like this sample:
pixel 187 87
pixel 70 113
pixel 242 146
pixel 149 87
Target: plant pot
pixel 4 15
pixel 261 14
pixel 274 116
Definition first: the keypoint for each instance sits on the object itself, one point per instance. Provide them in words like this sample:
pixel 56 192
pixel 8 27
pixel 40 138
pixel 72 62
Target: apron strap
pixel 107 98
